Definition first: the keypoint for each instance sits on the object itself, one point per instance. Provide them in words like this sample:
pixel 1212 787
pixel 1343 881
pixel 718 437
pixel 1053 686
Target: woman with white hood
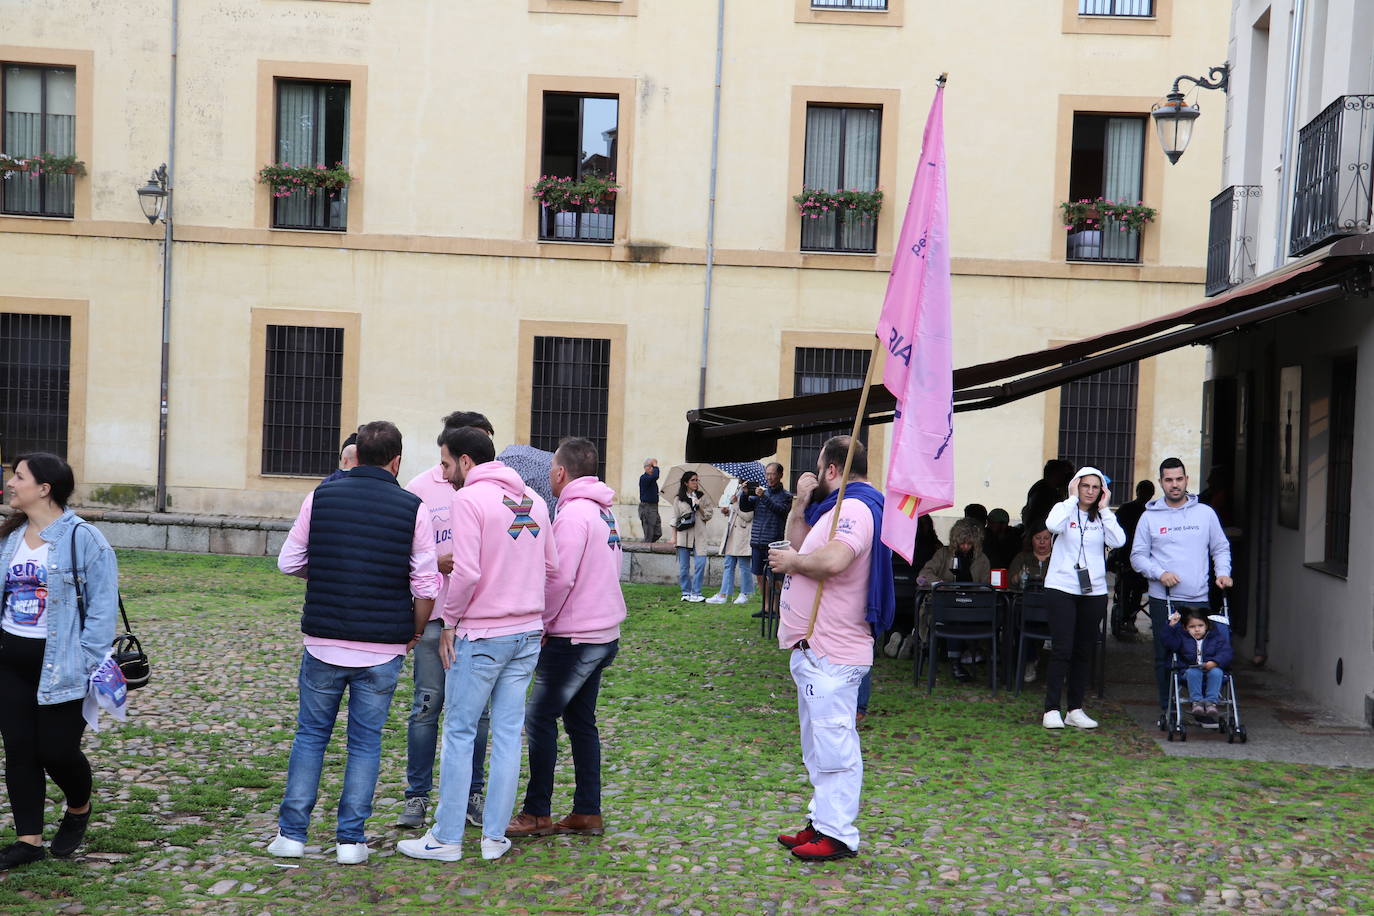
pixel 1076 590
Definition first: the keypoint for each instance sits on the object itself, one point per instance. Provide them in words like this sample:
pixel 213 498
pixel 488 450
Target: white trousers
pixel 827 699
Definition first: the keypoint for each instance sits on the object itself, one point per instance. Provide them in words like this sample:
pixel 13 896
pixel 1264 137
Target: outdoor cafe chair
pixel 959 610
pixel 1034 627
pixel 772 605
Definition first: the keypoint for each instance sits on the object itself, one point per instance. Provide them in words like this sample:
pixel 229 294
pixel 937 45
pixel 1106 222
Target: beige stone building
pixel 434 281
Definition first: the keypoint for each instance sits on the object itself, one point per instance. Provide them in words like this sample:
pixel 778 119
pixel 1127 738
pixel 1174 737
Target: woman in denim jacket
pixel 47 653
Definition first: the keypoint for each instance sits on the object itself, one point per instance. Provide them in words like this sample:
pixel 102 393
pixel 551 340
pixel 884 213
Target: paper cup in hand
pixel 779 545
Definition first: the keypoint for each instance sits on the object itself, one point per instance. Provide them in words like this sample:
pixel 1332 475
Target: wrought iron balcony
pixel 1231 241
pixel 849 4
pixel 1331 194
pixel 1108 239
pixel 587 224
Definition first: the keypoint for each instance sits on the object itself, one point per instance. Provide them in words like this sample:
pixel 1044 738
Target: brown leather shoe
pixel 524 824
pixel 582 824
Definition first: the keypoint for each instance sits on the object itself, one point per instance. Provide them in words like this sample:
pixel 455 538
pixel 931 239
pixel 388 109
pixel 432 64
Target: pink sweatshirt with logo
pixel 582 600
pixel 503 551
pixel 437 493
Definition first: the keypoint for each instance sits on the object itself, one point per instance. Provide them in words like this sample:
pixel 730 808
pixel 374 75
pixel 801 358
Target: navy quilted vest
pixel 361 529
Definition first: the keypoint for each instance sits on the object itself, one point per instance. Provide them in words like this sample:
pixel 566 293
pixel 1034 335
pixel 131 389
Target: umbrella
pixel 713 481
pixel 532 464
pixel 747 471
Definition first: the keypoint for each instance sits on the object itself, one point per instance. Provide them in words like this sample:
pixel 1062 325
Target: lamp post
pixel 1174 118
pixel 156 200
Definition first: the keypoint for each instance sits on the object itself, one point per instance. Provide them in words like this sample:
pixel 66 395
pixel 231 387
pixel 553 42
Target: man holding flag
pixel 832 644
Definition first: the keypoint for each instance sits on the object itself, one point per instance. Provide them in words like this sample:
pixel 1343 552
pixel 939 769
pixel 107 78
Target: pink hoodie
pixel 503 551
pixel 437 492
pixel 583 601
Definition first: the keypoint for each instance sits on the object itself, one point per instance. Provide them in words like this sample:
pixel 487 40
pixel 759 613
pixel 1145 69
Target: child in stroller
pixel 1201 646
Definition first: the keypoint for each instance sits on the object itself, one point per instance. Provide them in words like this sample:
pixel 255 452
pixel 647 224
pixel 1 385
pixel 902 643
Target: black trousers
pixel 1074 624
pixel 38 739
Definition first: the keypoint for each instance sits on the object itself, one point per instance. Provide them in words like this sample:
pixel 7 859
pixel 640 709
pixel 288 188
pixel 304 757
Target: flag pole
pixel 844 476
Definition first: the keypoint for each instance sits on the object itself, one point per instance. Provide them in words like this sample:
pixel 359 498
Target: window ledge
pixel 37 216
pixel 1334 570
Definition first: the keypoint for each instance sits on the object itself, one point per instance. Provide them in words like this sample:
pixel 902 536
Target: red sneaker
pixel 807 834
pixel 822 849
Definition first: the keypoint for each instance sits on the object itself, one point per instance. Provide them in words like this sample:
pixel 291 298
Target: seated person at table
pixel 1206 650
pixel 1027 571
pixel 1000 541
pixel 961 561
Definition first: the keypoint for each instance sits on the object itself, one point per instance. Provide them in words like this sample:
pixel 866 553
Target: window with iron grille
pixel 302 400
pixel 40 117
pixel 580 140
pixel 312 130
pixel 1107 161
pixel 35 383
pixel 1097 426
pixel 849 4
pixel 819 370
pixel 1116 8
pixel 1340 465
pixel 841 154
pixel 571 393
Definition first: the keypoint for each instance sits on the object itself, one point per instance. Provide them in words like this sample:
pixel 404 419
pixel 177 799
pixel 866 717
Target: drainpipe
pixel 1290 116
pixel 167 274
pixel 711 207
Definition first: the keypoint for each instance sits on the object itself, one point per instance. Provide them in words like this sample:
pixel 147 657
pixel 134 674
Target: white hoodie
pixel 1075 536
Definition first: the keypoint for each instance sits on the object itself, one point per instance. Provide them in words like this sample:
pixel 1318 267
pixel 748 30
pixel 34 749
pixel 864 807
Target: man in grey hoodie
pixel 1175 539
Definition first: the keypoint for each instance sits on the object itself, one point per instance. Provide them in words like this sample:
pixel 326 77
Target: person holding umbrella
pixel 691 510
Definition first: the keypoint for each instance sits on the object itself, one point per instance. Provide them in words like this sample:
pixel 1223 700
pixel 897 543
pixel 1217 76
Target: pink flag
pixel 915 327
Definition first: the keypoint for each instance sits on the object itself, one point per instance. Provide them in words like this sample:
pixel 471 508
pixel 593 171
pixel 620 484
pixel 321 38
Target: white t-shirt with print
pixel 26 592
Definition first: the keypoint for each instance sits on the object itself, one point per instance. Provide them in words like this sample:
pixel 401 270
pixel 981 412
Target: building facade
pixel 400 266
pixel 1288 400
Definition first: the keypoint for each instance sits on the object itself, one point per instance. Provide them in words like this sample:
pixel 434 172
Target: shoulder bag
pixel 126 650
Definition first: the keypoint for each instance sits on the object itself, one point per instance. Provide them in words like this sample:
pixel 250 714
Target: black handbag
pixel 126 650
pixel 686 521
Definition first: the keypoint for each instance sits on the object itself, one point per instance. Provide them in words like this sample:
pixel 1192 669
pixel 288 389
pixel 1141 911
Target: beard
pixel 823 489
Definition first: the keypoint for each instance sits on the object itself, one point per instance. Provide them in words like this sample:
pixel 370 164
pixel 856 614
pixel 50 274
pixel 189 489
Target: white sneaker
pixel 352 853
pixel 1053 719
pixel 494 848
pixel 908 646
pixel 427 847
pixel 894 644
pixel 1029 676
pixel 286 848
pixel 695 599
pixel 743 599
pixel 718 598
pixel 686 597
pixel 1079 719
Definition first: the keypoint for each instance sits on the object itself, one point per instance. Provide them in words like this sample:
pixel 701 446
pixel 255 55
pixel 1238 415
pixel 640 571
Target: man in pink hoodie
pixel 583 608
pixel 503 551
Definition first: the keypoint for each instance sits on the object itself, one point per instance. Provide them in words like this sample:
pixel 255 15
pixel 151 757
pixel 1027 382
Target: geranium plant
pixel 43 164
pixel 846 203
pixel 286 179
pixel 1090 214
pixel 560 194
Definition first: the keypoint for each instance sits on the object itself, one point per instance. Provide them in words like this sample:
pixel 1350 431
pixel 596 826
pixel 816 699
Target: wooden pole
pixel 844 476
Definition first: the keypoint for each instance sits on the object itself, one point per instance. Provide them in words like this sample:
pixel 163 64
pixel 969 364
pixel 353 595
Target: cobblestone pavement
pixel 969 805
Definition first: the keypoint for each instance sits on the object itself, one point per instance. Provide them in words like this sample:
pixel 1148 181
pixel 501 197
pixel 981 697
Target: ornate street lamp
pixel 152 197
pixel 1174 118
pixel 155 198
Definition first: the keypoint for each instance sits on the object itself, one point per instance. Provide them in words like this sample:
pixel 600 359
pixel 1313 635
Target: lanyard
pixel 1082 560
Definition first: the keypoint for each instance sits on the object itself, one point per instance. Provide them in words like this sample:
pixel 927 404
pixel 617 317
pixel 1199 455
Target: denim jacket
pixel 73 651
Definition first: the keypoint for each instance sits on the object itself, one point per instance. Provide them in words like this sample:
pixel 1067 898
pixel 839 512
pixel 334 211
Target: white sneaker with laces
pixel 286 848
pixel 351 853
pixel 743 599
pixel 494 848
pixel 894 645
pixel 1079 719
pixel 427 847
pixel 695 599
pixel 718 598
pixel 1053 719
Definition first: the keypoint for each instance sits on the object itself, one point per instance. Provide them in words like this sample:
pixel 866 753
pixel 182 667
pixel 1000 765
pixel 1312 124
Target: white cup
pixel 779 545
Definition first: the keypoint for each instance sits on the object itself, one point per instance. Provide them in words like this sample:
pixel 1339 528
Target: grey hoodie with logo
pixel 1180 540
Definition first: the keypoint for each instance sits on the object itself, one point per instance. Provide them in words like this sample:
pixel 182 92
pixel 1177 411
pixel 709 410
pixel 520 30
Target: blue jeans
pixel 369 701
pixel 865 690
pixel 495 670
pixel 689 574
pixel 1197 692
pixel 422 731
pixel 727 577
pixel 1159 620
pixel 566 683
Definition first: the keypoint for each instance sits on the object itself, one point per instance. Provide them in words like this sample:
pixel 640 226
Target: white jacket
pixel 1077 539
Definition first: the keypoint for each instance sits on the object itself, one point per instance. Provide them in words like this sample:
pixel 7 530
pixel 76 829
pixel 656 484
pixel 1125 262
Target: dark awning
pixel 746 432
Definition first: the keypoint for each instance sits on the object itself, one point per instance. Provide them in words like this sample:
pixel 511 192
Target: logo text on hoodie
pixel 523 520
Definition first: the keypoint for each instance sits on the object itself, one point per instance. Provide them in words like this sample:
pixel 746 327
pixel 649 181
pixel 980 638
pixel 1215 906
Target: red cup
pixel 999 578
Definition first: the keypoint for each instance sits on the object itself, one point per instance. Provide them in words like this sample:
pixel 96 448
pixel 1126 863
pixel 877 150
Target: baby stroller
pixel 1228 709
